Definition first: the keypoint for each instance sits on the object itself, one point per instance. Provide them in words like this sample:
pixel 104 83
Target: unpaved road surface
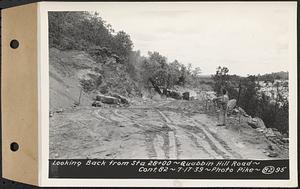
pixel 169 129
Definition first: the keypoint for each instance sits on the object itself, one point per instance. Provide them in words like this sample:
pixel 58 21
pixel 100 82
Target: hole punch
pixel 14 146
pixel 14 44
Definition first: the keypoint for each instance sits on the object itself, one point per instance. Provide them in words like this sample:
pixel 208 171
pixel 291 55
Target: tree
pixel 84 30
pixel 183 75
pixel 122 44
pixel 161 73
pixel 249 98
pixel 155 69
pixel 221 78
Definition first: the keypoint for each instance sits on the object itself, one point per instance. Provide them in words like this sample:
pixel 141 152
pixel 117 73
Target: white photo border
pixel 43 117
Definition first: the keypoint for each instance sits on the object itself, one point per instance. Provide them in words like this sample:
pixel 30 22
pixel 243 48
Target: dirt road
pixel 169 129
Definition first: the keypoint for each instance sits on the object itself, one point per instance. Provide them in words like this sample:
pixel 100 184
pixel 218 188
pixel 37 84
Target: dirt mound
pixel 65 88
pixel 76 77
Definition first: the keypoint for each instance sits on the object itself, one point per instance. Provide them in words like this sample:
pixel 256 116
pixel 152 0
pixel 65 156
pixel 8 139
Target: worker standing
pixel 223 101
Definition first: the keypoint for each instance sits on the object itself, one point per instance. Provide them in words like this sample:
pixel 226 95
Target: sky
pixel 248 38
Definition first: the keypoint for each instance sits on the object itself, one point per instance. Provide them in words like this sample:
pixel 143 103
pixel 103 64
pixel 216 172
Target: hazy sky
pixel 247 38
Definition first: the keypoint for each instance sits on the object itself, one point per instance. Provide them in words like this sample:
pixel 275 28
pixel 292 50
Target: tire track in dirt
pixel 96 113
pixel 193 137
pixel 161 139
pixel 155 142
pixel 204 143
pixel 165 144
pixel 150 147
pixel 224 144
pixel 135 123
pixel 196 139
pixel 164 104
pixel 218 143
pixel 171 136
pixel 212 146
pixel 120 115
pixel 158 146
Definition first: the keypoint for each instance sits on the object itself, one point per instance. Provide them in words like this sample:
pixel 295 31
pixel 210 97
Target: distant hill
pixel 274 76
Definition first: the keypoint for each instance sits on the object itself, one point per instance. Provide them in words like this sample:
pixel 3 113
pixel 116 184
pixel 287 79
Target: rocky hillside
pixel 76 78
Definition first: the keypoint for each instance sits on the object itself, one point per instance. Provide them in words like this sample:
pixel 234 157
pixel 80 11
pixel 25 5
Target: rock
pixel 156 97
pixel 260 130
pixel 209 95
pixel 277 133
pixel 186 96
pixel 122 98
pixel 235 111
pixel 252 123
pixel 118 59
pixel 166 92
pixel 260 123
pixel 270 147
pixel 107 99
pixel 285 140
pixel 175 95
pixel 231 105
pixel 59 111
pixel 272 154
pixel 97 104
pixel 269 132
pixel 242 111
pixel 256 123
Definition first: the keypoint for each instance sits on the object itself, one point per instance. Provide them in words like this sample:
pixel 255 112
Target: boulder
pixel 193 94
pixel 285 140
pixel 231 105
pixel 97 104
pixel 256 123
pixel 186 96
pixel 260 123
pixel 261 130
pixel 123 100
pixel 235 111
pixel 166 92
pixel 277 133
pixel 269 132
pixel 272 154
pixel 252 123
pixel 175 95
pixel 156 97
pixel 242 112
pixel 59 111
pixel 107 99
